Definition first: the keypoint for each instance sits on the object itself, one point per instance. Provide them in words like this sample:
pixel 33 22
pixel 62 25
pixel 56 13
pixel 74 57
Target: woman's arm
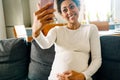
pixel 95 52
pixel 42 18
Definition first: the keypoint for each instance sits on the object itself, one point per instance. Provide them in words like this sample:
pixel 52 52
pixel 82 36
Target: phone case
pixel 44 2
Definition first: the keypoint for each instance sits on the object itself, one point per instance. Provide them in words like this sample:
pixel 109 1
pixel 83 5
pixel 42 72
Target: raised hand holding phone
pixel 44 5
pixel 44 18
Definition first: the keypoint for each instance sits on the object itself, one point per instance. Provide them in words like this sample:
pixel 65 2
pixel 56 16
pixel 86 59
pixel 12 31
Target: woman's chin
pixel 72 21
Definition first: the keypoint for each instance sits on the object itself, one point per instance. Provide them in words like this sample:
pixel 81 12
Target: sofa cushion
pixel 14 59
pixel 41 61
pixel 110 69
pixel 44 56
pixel 110 46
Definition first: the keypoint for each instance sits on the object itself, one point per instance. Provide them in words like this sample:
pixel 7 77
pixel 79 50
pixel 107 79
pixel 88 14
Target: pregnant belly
pixel 69 61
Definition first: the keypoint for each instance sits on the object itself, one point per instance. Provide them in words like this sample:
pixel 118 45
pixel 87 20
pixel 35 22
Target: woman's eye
pixel 65 10
pixel 71 6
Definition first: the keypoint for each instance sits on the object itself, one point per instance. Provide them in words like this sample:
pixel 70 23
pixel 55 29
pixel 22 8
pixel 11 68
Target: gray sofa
pixel 110 69
pixel 14 59
pixel 20 59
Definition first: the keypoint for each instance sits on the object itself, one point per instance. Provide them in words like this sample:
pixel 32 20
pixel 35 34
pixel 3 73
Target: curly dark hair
pixel 77 2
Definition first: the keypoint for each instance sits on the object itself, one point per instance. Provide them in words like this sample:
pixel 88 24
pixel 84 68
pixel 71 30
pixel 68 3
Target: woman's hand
pixel 42 18
pixel 76 76
pixel 64 76
pixel 71 75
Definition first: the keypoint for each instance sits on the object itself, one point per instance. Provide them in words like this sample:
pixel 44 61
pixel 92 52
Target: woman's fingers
pixel 60 77
pixel 43 8
pixel 45 13
pixel 46 23
pixel 42 17
pixel 47 18
pixel 67 72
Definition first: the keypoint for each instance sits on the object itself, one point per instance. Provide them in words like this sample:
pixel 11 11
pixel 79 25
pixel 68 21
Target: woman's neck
pixel 73 26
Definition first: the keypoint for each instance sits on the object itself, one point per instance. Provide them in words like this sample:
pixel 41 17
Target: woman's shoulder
pixel 59 27
pixel 90 26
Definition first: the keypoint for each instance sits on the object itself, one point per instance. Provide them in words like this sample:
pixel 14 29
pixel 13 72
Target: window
pixel 97 10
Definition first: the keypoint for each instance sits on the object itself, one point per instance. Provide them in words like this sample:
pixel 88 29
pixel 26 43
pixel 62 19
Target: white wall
pixel 26 13
pixel 33 8
pixel 16 12
pixel 13 12
pixel 2 23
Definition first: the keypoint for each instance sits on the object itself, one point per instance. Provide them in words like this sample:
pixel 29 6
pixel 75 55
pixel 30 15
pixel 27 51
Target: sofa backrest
pixel 41 61
pixel 110 69
pixel 14 59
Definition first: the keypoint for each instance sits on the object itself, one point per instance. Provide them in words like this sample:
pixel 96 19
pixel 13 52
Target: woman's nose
pixel 69 11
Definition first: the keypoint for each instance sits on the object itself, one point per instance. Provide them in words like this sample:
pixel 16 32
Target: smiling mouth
pixel 72 16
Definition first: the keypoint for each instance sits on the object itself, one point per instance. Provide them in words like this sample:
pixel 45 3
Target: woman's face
pixel 69 11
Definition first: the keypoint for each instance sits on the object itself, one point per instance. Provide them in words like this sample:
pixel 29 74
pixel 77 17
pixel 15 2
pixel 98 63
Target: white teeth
pixel 72 15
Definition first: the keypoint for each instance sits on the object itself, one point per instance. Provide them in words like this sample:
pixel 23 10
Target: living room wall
pixel 16 12
pixel 2 22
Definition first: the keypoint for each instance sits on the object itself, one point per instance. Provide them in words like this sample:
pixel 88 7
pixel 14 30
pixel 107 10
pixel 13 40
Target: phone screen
pixel 44 2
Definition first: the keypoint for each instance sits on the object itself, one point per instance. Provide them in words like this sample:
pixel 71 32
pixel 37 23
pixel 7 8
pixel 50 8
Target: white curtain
pixel 99 10
pixel 116 10
pixel 2 23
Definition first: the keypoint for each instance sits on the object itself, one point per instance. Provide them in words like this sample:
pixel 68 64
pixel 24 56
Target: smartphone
pixel 45 2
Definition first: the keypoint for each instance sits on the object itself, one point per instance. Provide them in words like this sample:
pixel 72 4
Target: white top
pixel 73 49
